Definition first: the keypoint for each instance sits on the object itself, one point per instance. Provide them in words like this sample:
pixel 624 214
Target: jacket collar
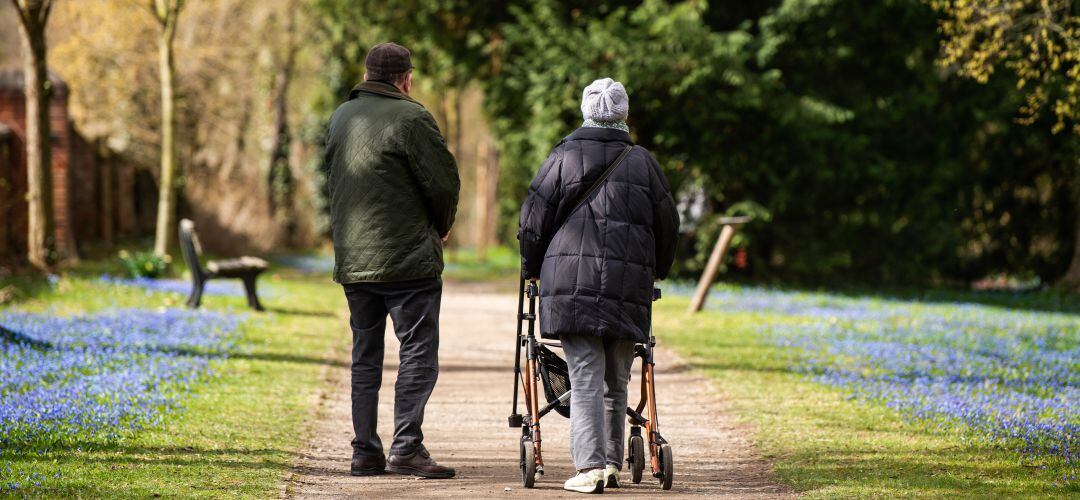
pixel 599 134
pixel 380 88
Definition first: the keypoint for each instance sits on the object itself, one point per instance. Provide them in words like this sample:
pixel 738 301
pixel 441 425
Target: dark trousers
pixel 414 308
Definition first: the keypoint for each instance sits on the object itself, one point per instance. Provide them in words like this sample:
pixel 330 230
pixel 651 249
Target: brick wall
pixel 13 184
pixel 87 206
pixel 13 175
pixel 97 195
pixel 61 171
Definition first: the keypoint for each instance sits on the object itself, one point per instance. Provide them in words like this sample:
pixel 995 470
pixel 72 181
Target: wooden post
pixel 731 225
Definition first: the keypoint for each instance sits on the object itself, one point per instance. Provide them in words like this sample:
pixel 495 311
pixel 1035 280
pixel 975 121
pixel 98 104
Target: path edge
pixel 316 406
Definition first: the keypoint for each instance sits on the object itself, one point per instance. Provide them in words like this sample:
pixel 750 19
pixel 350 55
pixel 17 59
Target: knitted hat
pixel 605 100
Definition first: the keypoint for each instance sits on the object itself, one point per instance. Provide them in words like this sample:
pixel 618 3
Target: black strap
pixel 596 185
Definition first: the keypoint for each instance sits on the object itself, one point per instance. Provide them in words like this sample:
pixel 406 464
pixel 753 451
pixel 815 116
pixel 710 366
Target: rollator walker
pixel 542 364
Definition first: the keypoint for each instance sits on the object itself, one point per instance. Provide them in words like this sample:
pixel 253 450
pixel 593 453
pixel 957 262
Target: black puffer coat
pixel 597 271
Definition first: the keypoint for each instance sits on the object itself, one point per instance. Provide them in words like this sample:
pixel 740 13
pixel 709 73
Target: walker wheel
pixel 666 466
pixel 636 458
pixel 528 462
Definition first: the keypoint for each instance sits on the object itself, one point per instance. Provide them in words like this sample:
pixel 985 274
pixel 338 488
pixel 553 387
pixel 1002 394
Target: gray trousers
pixel 599 373
pixel 414 308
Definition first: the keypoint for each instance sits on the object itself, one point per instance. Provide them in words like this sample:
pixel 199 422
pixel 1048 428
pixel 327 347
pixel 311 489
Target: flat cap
pixel 386 59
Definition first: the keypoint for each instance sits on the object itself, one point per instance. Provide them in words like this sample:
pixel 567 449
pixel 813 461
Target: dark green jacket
pixel 393 187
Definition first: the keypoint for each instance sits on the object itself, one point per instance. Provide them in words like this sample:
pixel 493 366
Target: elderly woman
pixel 598 228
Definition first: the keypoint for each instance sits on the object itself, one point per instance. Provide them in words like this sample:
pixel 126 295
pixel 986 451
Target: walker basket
pixel 556 377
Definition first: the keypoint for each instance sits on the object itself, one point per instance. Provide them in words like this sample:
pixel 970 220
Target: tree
pixel 831 116
pixel 166 13
pixel 41 241
pixel 1039 41
pixel 228 106
pixel 280 179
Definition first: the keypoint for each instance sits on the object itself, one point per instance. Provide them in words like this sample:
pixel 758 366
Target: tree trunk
pixel 280 178
pixel 126 221
pixel 1071 279
pixel 457 138
pixel 166 215
pixel 108 210
pixel 442 116
pixel 41 238
pixel 487 181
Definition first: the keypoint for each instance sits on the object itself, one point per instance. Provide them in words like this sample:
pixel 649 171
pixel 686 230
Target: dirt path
pixel 465 426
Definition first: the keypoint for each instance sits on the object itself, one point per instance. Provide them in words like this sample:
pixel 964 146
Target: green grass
pixel 499 264
pixel 828 446
pixel 236 435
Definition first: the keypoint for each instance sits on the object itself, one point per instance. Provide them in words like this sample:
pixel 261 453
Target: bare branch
pixel 20 8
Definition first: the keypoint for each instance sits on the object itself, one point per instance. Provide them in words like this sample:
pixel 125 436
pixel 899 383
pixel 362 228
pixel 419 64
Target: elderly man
pixel 393 189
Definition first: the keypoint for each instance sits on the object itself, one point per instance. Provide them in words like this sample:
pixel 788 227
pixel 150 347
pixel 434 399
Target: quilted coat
pixel 393 187
pixel 597 269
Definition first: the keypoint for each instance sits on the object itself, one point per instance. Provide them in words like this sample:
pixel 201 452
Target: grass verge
pixel 236 434
pixel 497 264
pixel 826 445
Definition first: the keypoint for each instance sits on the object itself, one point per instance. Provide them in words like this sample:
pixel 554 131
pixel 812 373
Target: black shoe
pixel 368 466
pixel 420 464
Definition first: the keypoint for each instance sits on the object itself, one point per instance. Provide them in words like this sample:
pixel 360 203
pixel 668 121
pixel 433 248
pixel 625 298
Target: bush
pixel 144 264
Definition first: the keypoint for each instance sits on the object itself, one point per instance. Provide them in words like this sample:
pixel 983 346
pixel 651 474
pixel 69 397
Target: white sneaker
pixel 586 482
pixel 612 474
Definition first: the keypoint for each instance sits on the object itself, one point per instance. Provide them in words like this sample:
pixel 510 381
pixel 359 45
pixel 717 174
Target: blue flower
pixel 94 376
pixel 1003 376
pixel 183 287
pixel 308 264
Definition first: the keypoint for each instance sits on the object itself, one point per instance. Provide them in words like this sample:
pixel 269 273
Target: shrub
pixel 145 264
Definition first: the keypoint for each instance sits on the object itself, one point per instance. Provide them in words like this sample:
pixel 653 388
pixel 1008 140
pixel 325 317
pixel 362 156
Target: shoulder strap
pixel 596 185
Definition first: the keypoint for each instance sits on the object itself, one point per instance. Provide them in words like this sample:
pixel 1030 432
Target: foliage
pixel 144 264
pixel 830 116
pixel 1038 40
pixel 105 55
pixel 228 94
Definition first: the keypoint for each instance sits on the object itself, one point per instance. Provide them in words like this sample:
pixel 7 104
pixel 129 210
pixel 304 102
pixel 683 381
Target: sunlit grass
pixel 234 434
pixel 498 263
pixel 828 440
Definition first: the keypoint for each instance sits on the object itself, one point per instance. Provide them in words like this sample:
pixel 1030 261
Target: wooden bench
pixel 246 269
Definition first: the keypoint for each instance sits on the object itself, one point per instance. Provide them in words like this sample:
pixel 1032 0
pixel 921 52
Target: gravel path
pixel 465 426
